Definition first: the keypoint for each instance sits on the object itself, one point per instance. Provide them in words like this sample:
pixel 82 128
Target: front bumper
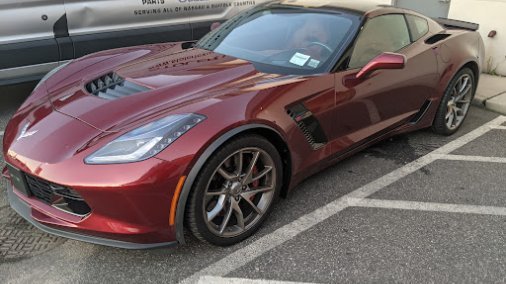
pixel 25 211
pixel 130 204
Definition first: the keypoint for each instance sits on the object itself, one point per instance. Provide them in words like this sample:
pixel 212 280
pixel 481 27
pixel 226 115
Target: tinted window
pixel 283 40
pixel 418 27
pixel 387 33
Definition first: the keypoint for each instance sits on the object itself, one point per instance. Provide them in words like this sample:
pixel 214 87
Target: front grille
pixel 111 86
pixel 57 195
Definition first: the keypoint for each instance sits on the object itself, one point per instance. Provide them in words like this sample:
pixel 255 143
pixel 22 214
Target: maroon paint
pixel 131 202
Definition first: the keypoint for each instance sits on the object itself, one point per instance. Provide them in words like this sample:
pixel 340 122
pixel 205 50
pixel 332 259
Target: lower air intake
pixel 58 196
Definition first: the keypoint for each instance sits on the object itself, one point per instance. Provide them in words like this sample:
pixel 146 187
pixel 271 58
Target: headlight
pixel 51 73
pixel 146 141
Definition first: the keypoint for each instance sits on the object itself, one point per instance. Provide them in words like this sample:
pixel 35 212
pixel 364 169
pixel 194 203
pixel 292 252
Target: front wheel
pixel 234 191
pixel 455 103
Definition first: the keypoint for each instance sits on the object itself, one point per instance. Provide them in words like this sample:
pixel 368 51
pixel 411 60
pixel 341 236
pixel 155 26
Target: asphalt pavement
pixel 415 208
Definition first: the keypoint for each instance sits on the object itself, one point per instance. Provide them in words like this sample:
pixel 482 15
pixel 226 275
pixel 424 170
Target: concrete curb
pixel 491 93
pixel 497 103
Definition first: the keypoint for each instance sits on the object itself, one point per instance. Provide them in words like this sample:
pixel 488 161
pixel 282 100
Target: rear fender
pixel 460 49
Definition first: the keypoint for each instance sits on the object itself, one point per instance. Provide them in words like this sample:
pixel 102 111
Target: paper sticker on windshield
pixel 313 63
pixel 299 59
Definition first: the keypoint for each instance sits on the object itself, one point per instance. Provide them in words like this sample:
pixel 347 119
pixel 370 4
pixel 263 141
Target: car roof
pixel 361 6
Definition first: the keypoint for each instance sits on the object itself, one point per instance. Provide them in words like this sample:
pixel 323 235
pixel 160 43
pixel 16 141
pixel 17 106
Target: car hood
pixel 38 127
pixel 164 80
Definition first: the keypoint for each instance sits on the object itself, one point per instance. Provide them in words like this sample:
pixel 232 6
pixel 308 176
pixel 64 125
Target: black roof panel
pixel 362 6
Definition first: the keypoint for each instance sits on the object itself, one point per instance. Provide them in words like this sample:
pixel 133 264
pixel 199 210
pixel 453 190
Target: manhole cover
pixel 19 239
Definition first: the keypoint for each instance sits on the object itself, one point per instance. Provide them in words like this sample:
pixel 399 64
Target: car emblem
pixel 25 134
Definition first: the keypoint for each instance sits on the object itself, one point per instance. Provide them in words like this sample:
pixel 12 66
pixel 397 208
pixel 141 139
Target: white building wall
pixel 491 15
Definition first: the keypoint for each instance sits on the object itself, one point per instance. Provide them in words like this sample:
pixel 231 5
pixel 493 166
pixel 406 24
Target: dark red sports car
pixel 126 147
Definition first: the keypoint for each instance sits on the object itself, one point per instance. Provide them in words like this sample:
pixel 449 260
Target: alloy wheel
pixel 239 192
pixel 459 102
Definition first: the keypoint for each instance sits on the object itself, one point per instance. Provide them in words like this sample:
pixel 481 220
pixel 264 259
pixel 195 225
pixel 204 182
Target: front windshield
pixel 283 39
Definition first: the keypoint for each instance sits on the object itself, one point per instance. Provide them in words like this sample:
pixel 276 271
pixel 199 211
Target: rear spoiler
pixel 456 24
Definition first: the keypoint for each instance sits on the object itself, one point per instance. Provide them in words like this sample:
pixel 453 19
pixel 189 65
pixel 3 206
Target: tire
pixel 237 194
pixel 455 103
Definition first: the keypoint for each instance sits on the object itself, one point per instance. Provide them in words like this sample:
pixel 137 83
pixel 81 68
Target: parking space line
pixel 501 127
pixel 501 160
pixel 430 206
pixel 463 140
pixel 268 242
pixel 1 133
pixel 223 280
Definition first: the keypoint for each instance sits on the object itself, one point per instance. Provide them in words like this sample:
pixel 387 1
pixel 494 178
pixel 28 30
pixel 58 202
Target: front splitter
pixel 24 210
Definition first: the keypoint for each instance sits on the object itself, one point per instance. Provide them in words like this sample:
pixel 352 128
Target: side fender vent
pixel 309 126
pixel 421 113
pixel 436 38
pixel 111 87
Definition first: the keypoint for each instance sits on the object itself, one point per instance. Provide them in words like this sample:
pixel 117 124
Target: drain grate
pixel 19 239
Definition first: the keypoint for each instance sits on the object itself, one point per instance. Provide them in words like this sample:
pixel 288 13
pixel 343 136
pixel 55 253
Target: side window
pixel 388 33
pixel 418 27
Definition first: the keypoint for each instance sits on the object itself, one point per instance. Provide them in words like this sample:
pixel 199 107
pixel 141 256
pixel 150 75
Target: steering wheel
pixel 320 44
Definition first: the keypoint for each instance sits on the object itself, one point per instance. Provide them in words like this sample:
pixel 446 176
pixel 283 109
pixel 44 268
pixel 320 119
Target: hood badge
pixel 25 134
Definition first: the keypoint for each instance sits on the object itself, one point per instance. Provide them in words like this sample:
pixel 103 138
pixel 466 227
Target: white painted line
pixel 1 133
pixel 501 160
pixel 430 206
pixel 461 141
pixel 501 127
pixel 264 244
pixel 222 280
pixel 248 253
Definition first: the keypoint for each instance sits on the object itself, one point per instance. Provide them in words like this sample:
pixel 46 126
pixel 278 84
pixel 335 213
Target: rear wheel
pixel 455 103
pixel 234 191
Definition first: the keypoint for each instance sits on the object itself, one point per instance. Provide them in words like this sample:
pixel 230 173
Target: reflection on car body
pixel 38 35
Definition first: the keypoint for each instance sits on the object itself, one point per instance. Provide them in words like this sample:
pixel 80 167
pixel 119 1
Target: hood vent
pixel 111 87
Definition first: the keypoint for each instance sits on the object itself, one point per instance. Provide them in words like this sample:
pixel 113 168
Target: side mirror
pixel 386 60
